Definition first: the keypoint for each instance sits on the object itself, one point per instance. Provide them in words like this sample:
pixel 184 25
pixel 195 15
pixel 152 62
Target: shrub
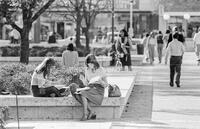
pixel 100 51
pixel 15 78
pixel 41 51
pixel 69 75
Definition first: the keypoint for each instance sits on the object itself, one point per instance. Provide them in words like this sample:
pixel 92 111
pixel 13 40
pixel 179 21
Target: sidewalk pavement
pixel 173 108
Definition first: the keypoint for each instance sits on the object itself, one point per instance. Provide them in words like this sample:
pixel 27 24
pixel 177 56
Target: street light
pixel 186 17
pixel 132 2
pixel 166 17
pixel 113 13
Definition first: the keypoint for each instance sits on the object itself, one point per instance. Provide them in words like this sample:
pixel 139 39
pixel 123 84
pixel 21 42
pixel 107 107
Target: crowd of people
pixel 171 45
pixel 158 42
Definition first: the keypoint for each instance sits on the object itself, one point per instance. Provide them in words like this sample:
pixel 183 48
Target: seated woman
pixel 95 81
pixel 40 85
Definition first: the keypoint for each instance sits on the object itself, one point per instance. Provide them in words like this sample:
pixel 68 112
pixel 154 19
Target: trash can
pixel 140 49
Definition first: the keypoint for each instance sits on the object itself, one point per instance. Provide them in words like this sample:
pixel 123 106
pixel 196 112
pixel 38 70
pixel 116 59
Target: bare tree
pixel 30 11
pixel 91 9
pixel 74 12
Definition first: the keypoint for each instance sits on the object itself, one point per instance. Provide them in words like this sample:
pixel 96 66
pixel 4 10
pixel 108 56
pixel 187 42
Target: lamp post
pixel 166 17
pixel 132 2
pixel 113 13
pixel 186 17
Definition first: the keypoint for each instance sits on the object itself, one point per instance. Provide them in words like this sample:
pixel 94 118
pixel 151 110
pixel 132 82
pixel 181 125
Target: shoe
pixel 198 60
pixel 91 116
pixel 84 118
pixel 177 84
pixel 171 84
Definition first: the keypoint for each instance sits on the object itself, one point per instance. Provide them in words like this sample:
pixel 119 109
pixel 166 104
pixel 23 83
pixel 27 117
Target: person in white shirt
pixel 176 50
pixel 70 57
pixel 146 51
pixel 41 86
pixel 151 42
pixel 196 40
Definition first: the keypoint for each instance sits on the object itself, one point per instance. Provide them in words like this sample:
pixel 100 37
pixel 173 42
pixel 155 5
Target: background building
pixel 182 13
pixel 145 19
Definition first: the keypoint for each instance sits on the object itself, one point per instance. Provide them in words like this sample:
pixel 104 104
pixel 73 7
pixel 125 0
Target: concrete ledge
pixel 36 108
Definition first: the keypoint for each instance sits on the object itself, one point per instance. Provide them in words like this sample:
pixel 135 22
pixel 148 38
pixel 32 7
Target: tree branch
pixel 42 10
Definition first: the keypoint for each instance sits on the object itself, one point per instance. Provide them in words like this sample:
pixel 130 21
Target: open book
pixel 95 79
pixel 61 86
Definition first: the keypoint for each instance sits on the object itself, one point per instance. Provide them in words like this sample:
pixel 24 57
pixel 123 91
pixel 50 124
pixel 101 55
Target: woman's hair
pixel 70 47
pixel 125 33
pixel 90 58
pixel 167 31
pixel 152 34
pixel 45 65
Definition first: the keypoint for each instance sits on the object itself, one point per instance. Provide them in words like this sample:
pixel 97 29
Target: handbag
pixel 114 91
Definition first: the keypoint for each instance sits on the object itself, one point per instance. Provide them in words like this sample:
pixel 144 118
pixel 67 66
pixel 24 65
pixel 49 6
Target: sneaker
pixel 177 84
pixel 198 60
pixel 171 84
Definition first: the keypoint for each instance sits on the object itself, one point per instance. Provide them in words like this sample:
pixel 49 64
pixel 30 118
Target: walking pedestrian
pixel 151 41
pixel 146 51
pixel 123 47
pixel 176 50
pixel 196 40
pixel 160 45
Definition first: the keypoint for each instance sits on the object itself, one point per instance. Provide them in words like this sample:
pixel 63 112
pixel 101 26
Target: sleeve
pixel 147 42
pixel 183 48
pixel 168 49
pixel 104 78
pixel 63 58
pixel 194 37
pixel 41 81
pixel 86 76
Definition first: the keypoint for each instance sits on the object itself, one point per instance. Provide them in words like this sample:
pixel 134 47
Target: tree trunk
pixel 78 30
pixel 87 36
pixel 24 47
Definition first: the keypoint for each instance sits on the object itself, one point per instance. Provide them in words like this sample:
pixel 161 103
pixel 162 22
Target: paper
pixel 95 79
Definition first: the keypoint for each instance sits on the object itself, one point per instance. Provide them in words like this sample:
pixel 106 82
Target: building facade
pixel 185 14
pixel 145 19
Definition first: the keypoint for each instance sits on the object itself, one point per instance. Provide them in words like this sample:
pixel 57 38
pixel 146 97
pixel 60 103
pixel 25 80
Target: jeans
pixel 47 91
pixel 175 67
pixel 160 49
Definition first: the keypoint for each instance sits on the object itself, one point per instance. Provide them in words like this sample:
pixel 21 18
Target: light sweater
pixel 70 58
pixel 176 48
pixel 40 81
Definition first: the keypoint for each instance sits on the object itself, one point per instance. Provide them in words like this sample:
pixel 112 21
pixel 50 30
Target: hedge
pixel 16 78
pixel 41 51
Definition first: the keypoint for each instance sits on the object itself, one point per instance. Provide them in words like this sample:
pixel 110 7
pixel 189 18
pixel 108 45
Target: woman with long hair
pixel 151 41
pixel 123 47
pixel 40 85
pixel 95 81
